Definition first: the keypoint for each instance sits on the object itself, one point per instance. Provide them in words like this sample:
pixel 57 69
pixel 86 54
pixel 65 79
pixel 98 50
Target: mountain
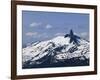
pixel 68 50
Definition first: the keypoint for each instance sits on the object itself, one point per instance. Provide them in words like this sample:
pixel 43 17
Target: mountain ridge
pixel 58 51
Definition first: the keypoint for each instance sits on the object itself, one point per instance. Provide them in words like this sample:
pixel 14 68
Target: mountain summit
pixel 68 50
pixel 73 38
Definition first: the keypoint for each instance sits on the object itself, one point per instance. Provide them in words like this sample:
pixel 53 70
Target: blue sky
pixel 38 26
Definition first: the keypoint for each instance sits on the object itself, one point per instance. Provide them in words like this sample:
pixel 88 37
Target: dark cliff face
pixel 73 38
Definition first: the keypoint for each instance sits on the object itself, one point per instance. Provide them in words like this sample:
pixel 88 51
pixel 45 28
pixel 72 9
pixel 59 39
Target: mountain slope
pixel 58 51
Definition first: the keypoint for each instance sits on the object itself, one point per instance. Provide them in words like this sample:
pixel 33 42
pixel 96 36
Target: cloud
pixel 59 34
pixel 85 35
pixel 48 26
pixel 35 24
pixel 36 35
pixel 31 33
pixel 42 35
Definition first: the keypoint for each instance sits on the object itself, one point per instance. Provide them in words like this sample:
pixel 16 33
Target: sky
pixel 39 25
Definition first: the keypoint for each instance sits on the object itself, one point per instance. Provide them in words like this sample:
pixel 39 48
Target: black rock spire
pixel 73 38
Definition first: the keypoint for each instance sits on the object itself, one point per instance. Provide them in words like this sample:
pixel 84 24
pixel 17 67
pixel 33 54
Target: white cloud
pixel 36 35
pixel 48 26
pixel 59 34
pixel 85 35
pixel 31 33
pixel 42 35
pixel 35 24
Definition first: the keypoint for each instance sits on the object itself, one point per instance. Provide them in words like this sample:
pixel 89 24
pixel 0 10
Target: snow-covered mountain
pixel 60 50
